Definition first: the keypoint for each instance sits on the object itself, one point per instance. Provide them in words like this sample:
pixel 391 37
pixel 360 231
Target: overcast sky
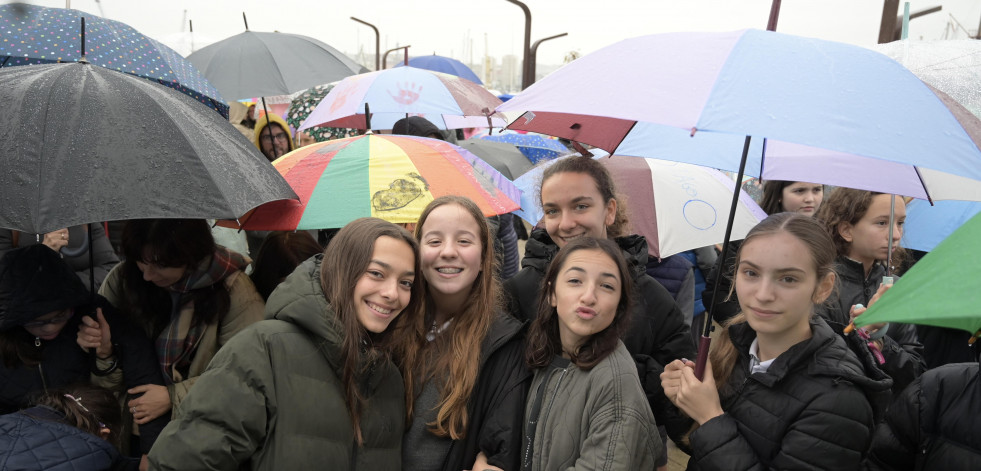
pixel 466 28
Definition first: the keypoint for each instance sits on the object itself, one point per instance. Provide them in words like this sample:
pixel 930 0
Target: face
pixel 160 275
pixel 802 197
pixel 777 284
pixel 306 139
pixel 385 287
pixel 450 250
pixel 48 326
pixel 574 208
pixel 869 237
pixel 274 147
pixel 585 295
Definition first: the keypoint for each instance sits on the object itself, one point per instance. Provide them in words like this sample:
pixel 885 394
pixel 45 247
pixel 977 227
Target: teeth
pixel 379 308
pixel 449 271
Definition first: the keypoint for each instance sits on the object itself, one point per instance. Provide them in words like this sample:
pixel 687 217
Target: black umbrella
pixel 82 144
pixel 253 64
pixel 504 157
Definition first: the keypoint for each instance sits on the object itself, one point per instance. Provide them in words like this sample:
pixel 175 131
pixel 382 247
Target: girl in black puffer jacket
pixel 791 394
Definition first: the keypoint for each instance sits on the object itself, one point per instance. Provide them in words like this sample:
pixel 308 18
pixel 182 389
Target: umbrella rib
pixel 922 183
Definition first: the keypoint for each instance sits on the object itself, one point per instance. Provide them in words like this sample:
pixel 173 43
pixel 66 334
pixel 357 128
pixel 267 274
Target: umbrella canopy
pixel 697 95
pixel 252 64
pixel 83 143
pixel 385 176
pixel 504 157
pixel 927 225
pixel 39 35
pixel 446 65
pixel 304 103
pixel 941 289
pixel 675 206
pixel 393 94
pixel 953 66
pixel 536 147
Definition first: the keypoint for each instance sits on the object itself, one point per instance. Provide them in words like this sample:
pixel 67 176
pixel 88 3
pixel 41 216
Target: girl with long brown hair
pixel 313 385
pixel 462 359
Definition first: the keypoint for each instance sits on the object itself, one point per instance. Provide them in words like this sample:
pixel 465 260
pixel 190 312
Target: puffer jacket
pixel 657 335
pixel 35 439
pixel 901 348
pixel 104 257
pixel 595 419
pixel 933 424
pixel 814 408
pixel 273 399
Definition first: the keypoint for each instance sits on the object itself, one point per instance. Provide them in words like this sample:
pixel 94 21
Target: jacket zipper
pixel 541 417
pixel 40 370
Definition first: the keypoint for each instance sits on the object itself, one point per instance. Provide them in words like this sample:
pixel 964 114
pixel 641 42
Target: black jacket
pixel 496 409
pixel 900 347
pixel 723 271
pixel 657 336
pixel 814 408
pixel 933 424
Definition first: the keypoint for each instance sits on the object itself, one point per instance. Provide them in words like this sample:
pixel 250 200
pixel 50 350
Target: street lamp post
pixel 533 57
pixel 527 73
pixel 377 41
pixel 385 56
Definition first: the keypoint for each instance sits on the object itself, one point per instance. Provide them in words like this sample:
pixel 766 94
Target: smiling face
pixel 802 197
pixel 869 238
pixel 385 288
pixel 585 296
pixel 777 285
pixel 574 208
pixel 450 249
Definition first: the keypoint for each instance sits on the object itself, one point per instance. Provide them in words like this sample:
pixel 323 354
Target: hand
pixel 56 240
pixel 858 309
pixel 154 402
pixel 481 464
pixel 698 399
pixel 671 378
pixel 95 334
pixel 144 463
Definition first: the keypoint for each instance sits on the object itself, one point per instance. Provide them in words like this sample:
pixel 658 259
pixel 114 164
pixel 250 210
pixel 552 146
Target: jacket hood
pixel 34 281
pixel 300 300
pixel 540 249
pixel 502 330
pixel 261 123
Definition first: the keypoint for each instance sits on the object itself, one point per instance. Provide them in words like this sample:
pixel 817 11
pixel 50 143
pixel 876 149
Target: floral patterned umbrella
pixel 304 103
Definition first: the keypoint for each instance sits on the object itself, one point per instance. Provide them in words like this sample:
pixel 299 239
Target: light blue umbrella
pixel 535 146
pixel 446 65
pixel 926 226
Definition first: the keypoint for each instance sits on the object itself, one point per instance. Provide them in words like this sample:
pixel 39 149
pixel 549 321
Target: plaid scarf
pixel 175 352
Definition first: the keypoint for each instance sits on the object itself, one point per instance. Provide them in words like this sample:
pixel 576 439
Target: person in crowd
pixel 313 386
pixel 781 389
pixel 858 222
pixel 74 245
pixel 677 275
pixel 272 136
pixel 587 409
pixel 932 424
pixel 578 199
pixel 187 294
pixel 703 260
pixel 278 256
pixel 46 314
pixel 463 359
pixel 75 427
pixel 417 126
pixel 778 196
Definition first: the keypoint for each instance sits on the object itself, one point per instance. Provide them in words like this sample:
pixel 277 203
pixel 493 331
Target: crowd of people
pixel 424 347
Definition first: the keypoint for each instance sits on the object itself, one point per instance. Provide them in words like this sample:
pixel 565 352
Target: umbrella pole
pixel 892 220
pixel 268 130
pixel 706 342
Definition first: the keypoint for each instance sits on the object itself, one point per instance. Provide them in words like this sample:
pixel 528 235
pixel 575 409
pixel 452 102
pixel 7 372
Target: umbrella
pixel 535 146
pixel 253 64
pixel 504 157
pixel 83 144
pixel 927 225
pixel 393 94
pixel 953 66
pixel 940 290
pixel 675 206
pixel 304 103
pixel 39 35
pixel 386 176
pixel 446 65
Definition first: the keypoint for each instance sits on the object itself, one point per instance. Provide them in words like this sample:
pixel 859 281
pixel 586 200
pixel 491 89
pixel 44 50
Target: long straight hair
pixel 344 263
pixel 544 342
pixel 456 351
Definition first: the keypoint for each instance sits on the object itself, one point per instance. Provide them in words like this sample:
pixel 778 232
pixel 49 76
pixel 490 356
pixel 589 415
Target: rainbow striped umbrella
pixel 385 176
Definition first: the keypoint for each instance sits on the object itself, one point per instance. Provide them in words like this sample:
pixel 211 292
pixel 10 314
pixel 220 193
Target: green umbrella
pixel 942 289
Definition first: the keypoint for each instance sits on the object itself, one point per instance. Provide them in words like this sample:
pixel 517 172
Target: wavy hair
pixel 848 205
pixel 544 342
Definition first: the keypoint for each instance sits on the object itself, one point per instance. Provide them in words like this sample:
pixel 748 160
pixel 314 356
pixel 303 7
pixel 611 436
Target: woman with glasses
pixel 46 315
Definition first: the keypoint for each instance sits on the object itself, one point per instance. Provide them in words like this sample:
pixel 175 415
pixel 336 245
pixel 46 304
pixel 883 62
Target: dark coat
pixel 723 272
pixel 496 409
pixel 814 408
pixel 657 335
pixel 34 439
pixel 933 424
pixel 104 257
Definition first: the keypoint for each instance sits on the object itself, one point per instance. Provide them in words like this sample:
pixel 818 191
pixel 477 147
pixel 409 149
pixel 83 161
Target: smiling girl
pixel 586 409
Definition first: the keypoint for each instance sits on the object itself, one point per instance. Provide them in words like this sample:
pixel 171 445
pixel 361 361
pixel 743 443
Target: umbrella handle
pixel 703 353
pixel 74 252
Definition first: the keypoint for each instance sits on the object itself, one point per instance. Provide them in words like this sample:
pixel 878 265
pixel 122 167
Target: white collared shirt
pixel 755 365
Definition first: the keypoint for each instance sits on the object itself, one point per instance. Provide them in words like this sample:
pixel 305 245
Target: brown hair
pixel 848 205
pixel 805 229
pixel 281 252
pixel 604 183
pixel 86 407
pixel 344 263
pixel 772 201
pixel 456 351
pixel 543 335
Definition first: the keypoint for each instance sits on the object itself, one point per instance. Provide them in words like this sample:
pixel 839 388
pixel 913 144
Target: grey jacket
pixel 598 419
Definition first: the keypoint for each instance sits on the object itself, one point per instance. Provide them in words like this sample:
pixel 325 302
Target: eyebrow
pixel 574 200
pixel 389 267
pixel 603 274
pixel 779 270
